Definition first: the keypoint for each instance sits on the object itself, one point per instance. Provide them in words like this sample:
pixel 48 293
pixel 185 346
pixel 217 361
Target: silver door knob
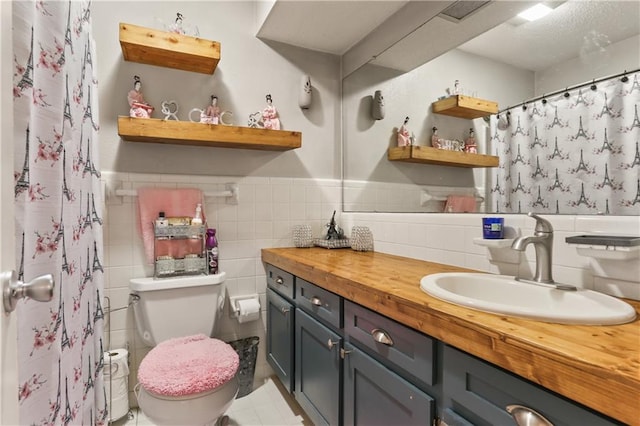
pixel 39 288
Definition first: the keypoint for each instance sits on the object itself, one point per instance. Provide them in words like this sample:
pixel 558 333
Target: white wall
pixel 411 94
pixel 624 55
pixel 248 70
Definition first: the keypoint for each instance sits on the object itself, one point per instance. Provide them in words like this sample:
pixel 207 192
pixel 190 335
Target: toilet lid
pixel 188 365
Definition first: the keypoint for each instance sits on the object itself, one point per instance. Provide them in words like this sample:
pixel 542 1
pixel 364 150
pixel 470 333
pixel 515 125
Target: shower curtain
pixel 573 153
pixel 58 213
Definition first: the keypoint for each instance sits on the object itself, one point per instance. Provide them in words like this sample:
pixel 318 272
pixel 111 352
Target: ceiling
pixel 575 27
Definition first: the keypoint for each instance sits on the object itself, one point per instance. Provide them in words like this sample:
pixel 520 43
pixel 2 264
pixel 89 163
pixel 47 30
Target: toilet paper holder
pixel 235 307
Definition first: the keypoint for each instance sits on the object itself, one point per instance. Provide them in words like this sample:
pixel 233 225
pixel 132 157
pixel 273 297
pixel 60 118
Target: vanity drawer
pixel 398 346
pixel 321 303
pixel 280 281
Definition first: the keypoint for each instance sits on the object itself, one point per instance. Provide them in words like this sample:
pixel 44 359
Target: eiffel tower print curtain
pixel 572 153
pixel 58 213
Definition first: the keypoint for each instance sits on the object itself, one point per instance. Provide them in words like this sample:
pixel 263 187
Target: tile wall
pixel 269 207
pixel 263 217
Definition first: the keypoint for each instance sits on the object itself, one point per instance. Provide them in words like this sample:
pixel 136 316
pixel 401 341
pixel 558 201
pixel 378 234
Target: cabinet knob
pixel 344 353
pixel 331 344
pixel 284 310
pixel 279 280
pixel 381 336
pixel 525 416
pixel 315 300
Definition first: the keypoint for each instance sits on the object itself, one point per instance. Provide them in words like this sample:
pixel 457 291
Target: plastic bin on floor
pixel 247 350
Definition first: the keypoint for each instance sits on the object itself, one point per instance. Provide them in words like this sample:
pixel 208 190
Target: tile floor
pixel 268 404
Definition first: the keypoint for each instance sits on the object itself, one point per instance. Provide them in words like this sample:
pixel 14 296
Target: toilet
pixel 188 378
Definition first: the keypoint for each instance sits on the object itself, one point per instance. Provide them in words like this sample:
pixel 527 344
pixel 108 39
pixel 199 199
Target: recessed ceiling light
pixel 535 12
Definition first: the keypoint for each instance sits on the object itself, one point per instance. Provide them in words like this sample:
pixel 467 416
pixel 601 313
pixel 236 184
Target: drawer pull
pixel 331 344
pixel 315 300
pixel 284 310
pixel 381 336
pixel 525 416
pixel 344 353
pixel 279 280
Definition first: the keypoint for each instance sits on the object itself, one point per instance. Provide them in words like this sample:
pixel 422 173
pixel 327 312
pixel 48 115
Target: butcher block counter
pixel 598 366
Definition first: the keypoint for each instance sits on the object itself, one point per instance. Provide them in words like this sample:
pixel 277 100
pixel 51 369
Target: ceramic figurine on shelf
pixel 457 90
pixel 404 138
pixel 435 140
pixel 270 118
pixel 212 114
pixel 470 145
pixel 138 107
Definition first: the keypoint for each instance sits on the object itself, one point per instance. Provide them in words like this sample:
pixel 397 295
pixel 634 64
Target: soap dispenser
pixel 162 221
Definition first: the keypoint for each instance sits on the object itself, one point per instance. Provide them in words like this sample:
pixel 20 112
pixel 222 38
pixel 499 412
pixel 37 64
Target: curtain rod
pixel 577 86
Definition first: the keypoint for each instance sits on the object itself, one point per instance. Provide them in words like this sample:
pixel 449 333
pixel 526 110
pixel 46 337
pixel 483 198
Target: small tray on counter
pixel 332 244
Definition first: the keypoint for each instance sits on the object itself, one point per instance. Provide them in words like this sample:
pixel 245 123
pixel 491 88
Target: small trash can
pixel 247 350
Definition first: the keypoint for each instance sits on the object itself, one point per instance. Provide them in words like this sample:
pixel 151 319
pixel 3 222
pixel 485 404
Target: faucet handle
pixel 542 225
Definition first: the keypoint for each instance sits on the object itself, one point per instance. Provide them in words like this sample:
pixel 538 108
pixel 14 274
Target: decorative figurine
pixel 170 109
pixel 456 88
pixel 212 114
pixel 470 145
pixel 138 107
pixel 334 232
pixel 180 27
pixel 254 120
pixel 435 140
pixel 404 138
pixel 270 118
pixel 304 97
pixel 377 106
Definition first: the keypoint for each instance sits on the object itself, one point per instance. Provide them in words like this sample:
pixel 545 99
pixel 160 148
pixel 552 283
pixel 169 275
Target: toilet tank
pixel 176 307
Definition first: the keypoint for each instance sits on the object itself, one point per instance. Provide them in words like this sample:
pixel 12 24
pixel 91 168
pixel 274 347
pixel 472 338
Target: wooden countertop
pixel 598 366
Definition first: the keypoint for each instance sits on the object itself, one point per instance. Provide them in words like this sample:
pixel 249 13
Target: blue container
pixel 492 228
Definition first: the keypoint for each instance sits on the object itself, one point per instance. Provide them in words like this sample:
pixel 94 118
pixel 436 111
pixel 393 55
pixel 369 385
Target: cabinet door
pixel 375 395
pixel 479 392
pixel 280 334
pixel 318 370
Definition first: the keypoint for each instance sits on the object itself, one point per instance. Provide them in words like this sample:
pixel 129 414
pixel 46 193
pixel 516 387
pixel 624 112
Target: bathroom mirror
pixel 514 62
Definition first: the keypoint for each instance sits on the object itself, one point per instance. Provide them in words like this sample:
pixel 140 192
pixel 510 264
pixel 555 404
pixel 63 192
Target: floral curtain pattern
pixel 58 213
pixel 572 153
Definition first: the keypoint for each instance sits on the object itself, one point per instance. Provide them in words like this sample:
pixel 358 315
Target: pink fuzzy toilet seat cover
pixel 188 365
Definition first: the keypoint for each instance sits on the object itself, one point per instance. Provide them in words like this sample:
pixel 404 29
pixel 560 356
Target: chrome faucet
pixel 542 240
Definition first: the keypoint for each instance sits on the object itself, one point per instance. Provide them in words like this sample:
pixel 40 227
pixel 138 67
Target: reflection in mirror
pixel 605 43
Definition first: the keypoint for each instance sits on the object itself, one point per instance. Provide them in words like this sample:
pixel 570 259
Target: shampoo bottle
pixel 161 221
pixel 211 244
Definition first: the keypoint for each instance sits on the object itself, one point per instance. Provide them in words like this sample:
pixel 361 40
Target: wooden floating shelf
pixel 155 130
pixel 464 107
pixel 165 49
pixel 429 155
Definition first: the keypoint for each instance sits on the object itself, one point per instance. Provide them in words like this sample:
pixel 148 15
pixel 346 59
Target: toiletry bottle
pixel 211 245
pixel 197 219
pixel 161 221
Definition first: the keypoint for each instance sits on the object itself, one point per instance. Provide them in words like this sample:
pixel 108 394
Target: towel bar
pixel 232 193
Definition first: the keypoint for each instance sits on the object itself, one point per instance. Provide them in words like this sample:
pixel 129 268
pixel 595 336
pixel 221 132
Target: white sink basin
pixel 504 295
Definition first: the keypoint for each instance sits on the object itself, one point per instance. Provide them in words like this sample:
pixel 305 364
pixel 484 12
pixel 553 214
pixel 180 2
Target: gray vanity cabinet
pixel 318 370
pixel 280 333
pixel 478 392
pixel 280 324
pixel 375 395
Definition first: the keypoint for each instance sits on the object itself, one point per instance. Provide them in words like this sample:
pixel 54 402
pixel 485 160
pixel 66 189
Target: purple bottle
pixel 211 244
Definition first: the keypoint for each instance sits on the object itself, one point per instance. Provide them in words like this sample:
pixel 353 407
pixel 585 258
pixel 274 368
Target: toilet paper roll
pixel 116 377
pixel 249 310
